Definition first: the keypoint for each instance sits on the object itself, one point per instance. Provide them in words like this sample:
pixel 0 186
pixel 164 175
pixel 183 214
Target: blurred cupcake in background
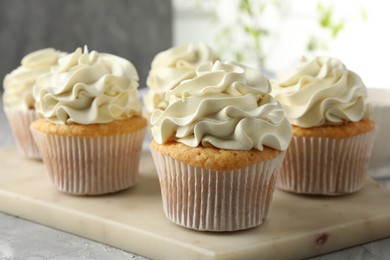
pixel 218 147
pixel 18 99
pixel 91 130
pixel 332 132
pixel 169 68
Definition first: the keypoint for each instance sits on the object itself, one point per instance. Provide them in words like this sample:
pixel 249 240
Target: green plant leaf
pixel 336 29
pixel 239 56
pixel 326 18
pixel 245 6
pixel 315 44
pixel 363 13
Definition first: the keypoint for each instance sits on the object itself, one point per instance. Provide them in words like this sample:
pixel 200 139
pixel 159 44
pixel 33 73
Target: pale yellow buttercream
pixel 88 88
pixel 18 85
pixel 172 66
pixel 321 91
pixel 225 105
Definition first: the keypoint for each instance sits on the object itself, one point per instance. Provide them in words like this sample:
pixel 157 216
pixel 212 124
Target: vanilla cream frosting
pixel 18 85
pixel 225 105
pixel 88 88
pixel 321 91
pixel 172 66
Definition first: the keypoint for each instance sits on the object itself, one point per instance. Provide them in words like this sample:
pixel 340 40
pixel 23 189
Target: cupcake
pixel 18 100
pixel 169 68
pixel 218 147
pixel 91 130
pixel 332 132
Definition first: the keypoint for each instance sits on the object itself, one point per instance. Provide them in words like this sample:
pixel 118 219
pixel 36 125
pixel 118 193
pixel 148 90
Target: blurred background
pixel 274 34
pixel 133 29
pixel 269 34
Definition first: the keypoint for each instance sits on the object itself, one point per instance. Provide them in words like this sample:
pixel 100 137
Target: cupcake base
pixel 20 122
pixel 90 165
pixel 211 200
pixel 326 166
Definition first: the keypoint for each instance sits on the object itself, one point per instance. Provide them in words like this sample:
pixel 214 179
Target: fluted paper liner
pixel 208 200
pixel 326 166
pixel 91 165
pixel 20 122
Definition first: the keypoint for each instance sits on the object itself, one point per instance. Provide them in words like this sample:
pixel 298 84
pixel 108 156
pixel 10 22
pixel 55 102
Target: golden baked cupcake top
pixel 18 85
pixel 116 127
pixel 346 130
pixel 321 91
pixel 222 160
pixel 88 88
pixel 172 66
pixel 227 106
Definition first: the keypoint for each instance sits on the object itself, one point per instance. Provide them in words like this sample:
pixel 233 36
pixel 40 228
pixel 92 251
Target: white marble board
pixel 133 220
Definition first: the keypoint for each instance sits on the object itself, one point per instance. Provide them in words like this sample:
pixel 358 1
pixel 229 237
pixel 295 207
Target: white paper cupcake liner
pixel 91 165
pixel 326 166
pixel 208 200
pixel 20 122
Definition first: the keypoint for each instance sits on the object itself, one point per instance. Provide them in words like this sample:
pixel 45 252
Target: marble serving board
pixel 133 220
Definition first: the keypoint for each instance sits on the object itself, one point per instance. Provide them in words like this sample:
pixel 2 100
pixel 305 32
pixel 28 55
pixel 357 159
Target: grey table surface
pixel 22 239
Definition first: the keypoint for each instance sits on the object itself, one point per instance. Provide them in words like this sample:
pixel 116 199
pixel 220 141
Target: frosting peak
pixel 321 91
pixel 172 66
pixel 18 85
pixel 225 78
pixel 226 105
pixel 88 88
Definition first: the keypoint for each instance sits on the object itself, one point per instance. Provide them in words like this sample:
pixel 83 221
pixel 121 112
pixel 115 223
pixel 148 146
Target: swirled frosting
pixel 88 88
pixel 225 105
pixel 321 91
pixel 172 66
pixel 18 85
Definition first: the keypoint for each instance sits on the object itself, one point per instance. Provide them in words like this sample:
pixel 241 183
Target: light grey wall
pixel 134 29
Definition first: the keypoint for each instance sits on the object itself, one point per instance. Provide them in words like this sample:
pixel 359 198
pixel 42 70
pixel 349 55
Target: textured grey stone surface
pixel 21 240
pixel 134 29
